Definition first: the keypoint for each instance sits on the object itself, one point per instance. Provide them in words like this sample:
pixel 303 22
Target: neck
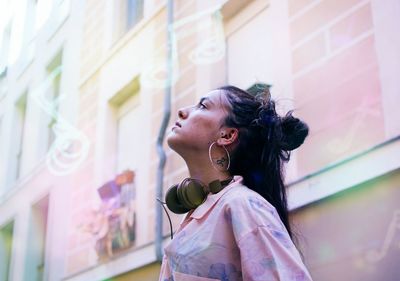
pixel 203 170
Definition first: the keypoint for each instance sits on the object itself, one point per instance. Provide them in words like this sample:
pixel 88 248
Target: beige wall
pixel 295 46
pixel 337 77
pixel 333 61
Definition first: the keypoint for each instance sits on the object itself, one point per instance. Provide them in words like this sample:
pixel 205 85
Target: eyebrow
pixel 206 98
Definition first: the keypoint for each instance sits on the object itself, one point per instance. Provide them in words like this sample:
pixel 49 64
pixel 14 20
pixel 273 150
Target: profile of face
pixel 199 125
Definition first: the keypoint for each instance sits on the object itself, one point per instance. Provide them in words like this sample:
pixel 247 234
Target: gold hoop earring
pixel 220 161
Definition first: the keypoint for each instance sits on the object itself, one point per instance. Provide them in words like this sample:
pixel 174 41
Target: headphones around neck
pixel 191 193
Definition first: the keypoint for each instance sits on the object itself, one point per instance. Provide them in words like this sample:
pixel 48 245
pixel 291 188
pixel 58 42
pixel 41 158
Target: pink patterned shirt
pixel 234 235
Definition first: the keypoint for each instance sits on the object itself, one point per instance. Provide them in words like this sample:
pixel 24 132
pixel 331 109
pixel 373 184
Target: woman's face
pixel 199 125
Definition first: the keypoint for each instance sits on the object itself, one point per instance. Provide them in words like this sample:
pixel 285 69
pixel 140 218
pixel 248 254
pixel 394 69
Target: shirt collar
pixel 212 199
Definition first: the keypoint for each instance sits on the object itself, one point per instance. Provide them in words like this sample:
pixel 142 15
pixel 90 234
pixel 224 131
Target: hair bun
pixel 294 132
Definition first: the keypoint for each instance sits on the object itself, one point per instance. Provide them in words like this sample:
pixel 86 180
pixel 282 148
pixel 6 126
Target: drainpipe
pixel 161 134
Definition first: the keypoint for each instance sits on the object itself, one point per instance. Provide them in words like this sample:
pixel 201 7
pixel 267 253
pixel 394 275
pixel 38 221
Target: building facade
pixel 82 92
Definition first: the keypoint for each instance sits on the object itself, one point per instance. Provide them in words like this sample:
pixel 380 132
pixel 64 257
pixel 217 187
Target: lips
pixel 177 125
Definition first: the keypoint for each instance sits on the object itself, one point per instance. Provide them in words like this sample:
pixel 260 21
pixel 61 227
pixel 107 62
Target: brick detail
pixel 309 52
pixel 318 16
pixel 339 97
pixel 354 134
pixel 93 33
pixel 297 5
pixel 338 70
pixel 339 103
pixel 342 33
pixel 82 191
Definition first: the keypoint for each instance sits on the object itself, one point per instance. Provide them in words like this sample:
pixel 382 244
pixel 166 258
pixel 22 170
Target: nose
pixel 182 113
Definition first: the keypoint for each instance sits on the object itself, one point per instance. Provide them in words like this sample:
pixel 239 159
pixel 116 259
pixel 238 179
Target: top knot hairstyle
pixel 264 143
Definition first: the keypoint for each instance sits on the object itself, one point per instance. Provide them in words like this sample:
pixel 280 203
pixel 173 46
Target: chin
pixel 172 141
pixel 177 144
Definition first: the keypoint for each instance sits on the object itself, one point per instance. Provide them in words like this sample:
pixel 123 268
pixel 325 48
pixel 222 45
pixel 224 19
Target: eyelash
pixel 201 104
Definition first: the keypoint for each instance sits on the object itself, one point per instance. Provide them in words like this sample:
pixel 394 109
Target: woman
pixel 237 224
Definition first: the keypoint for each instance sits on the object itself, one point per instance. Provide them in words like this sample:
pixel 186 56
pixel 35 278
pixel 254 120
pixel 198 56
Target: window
pixel 1 141
pixel 130 162
pixel 129 127
pixel 3 82
pixel 29 34
pixel 126 15
pixel 52 96
pixel 35 256
pixel 6 241
pixel 20 120
pixel 2 162
pixel 64 7
pixel 118 194
pixel 43 11
pixel 5 48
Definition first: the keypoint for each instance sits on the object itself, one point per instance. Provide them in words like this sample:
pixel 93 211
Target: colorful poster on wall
pixel 113 225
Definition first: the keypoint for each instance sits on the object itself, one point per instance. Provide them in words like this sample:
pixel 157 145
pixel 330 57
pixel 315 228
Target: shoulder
pixel 242 196
pixel 246 210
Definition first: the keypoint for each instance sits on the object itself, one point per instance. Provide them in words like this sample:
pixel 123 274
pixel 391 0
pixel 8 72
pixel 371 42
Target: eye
pixel 201 105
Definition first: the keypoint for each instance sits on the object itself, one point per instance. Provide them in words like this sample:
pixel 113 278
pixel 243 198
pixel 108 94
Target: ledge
pixel 356 169
pixel 134 259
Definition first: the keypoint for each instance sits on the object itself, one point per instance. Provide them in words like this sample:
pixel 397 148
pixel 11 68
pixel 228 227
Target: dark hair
pixel 264 143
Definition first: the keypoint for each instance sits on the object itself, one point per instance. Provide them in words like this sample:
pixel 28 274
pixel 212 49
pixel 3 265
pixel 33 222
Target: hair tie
pixel 267 119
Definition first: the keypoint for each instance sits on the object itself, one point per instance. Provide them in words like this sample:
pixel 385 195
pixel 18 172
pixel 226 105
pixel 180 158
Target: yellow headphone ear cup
pixel 194 194
pixel 215 186
pixel 173 202
pixel 188 195
pixel 181 198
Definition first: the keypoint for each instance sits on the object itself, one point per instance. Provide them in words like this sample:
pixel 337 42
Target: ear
pixel 228 136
